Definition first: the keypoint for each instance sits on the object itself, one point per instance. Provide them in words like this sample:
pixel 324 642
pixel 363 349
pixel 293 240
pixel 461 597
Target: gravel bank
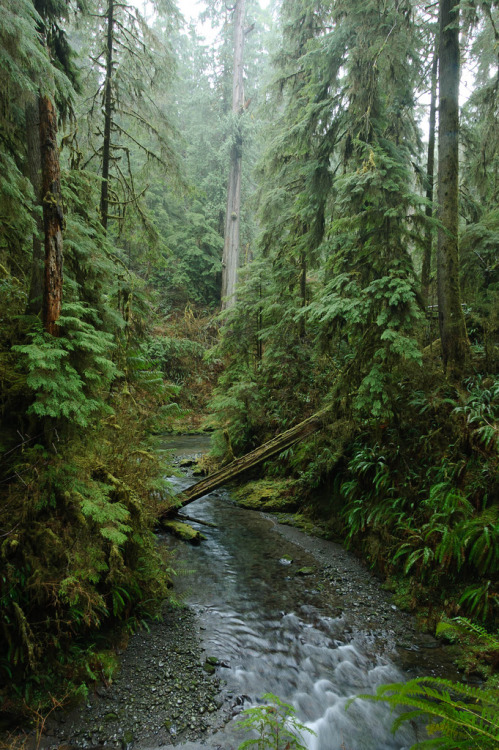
pixel 348 588
pixel 161 695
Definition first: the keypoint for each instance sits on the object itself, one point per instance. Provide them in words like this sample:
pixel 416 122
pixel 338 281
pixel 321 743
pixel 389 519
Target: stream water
pixel 314 640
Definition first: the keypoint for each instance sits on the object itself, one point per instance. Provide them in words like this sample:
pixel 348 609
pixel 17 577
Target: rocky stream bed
pixel 335 633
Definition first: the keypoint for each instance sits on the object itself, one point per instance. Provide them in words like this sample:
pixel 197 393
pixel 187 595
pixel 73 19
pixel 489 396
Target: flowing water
pixel 273 631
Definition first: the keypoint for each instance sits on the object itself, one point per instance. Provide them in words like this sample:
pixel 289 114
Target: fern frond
pixel 462 713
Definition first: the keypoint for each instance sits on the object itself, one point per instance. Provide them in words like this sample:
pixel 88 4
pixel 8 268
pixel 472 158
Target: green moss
pixel 306 571
pixel 304 523
pixel 271 495
pixel 183 531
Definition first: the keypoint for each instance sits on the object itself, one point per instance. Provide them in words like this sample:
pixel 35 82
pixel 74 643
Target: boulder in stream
pixel 183 531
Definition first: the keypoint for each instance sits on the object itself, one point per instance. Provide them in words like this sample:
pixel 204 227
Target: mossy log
pixel 183 531
pixel 240 465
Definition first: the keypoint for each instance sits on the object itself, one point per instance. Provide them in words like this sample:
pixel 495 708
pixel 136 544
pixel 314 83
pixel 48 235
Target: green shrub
pixel 276 725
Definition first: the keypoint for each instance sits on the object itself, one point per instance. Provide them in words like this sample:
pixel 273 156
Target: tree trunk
pixel 303 292
pixel 34 168
pixel 239 465
pixel 430 176
pixel 108 109
pixel 455 345
pixel 52 216
pixel 230 258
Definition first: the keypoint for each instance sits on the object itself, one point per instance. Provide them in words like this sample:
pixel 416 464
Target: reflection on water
pixel 269 629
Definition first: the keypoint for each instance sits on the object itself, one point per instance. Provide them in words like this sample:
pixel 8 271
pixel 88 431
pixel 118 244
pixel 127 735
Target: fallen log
pixel 248 461
pixel 191 519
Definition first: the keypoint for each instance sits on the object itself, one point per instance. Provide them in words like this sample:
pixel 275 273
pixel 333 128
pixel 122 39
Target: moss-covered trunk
pixel 52 215
pixel 455 345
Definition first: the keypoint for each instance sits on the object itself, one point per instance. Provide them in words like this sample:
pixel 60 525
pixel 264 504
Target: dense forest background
pixel 317 149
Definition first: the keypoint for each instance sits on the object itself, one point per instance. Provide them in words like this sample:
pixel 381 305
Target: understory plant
pixel 276 725
pixel 458 715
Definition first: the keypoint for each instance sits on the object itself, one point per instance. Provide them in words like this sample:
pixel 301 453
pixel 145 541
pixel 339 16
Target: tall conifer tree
pixel 455 345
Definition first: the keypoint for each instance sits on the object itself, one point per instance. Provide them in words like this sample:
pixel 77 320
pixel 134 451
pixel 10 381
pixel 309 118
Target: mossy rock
pixel 186 462
pixel 269 495
pixel 306 571
pixel 205 465
pixel 183 531
pixel 302 522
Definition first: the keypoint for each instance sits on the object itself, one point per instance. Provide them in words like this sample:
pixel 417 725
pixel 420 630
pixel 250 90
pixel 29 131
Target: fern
pixel 65 373
pixel 463 625
pixel 464 716
pixel 276 725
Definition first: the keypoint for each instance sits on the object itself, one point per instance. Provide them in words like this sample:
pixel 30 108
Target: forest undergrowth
pixel 415 494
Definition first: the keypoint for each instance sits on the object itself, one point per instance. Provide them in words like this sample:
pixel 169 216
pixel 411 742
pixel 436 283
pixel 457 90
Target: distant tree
pixel 455 344
pixel 430 177
pixel 127 128
pixel 230 260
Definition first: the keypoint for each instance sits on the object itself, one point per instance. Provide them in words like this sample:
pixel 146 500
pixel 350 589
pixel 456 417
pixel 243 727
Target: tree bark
pixel 303 291
pixel 230 258
pixel 108 114
pixel 455 345
pixel 430 176
pixel 53 218
pixel 34 168
pixel 239 465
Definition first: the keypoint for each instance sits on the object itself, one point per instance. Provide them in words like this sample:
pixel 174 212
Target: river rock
pixel 306 571
pixel 183 531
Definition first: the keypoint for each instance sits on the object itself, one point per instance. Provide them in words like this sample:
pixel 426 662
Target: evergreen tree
pixel 455 345
pixel 230 259
pixel 127 130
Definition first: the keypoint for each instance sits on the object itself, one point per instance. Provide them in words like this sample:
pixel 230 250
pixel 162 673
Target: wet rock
pixel 144 694
pixel 306 571
pixel 186 462
pixel 127 740
pixel 183 531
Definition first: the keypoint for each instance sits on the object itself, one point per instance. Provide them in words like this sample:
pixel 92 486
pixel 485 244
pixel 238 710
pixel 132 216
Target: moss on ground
pixel 183 531
pixel 271 495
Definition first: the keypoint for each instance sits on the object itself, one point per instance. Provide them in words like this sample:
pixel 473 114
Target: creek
pixel 278 611
pixel 299 617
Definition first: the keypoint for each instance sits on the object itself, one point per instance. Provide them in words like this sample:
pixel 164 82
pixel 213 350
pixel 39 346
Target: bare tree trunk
pixel 455 344
pixel 230 258
pixel 430 176
pixel 52 215
pixel 108 103
pixel 34 167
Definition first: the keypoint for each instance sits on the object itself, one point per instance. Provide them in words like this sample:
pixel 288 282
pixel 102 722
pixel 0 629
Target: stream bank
pixel 276 611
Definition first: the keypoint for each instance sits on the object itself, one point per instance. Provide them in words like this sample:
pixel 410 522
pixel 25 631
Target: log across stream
pixel 276 611
pixel 239 465
pixel 299 617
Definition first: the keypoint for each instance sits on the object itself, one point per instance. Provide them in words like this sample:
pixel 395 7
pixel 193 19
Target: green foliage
pixel 478 649
pixel 462 716
pixel 79 556
pixel 174 355
pixel 481 411
pixel 68 373
pixel 276 725
pixel 192 265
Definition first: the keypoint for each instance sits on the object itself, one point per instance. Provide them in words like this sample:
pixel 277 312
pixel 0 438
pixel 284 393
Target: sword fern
pixel 462 716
